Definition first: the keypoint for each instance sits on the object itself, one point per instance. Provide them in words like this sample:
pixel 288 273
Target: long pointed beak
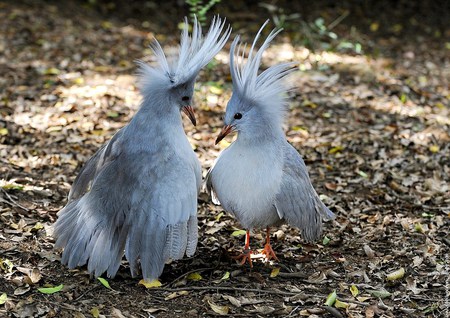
pixel 225 131
pixel 189 111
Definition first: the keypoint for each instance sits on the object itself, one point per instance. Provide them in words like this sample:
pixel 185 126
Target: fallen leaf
pixel 331 299
pixel 275 272
pixel 194 276
pixel 340 304
pixel 396 274
pixel 104 282
pixel 150 284
pixel 221 310
pixel 3 298
pixel 51 290
pixel 239 233
pixel 354 290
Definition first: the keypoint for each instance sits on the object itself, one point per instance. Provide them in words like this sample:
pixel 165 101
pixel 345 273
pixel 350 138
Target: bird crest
pixel 266 89
pixel 194 52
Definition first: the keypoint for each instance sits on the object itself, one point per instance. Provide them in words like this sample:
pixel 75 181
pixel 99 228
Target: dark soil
pixel 372 125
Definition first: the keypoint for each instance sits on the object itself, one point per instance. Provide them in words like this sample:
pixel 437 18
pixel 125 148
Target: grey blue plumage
pixel 260 178
pixel 138 194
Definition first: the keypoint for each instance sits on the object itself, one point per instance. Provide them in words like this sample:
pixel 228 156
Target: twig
pixel 333 24
pixel 293 275
pixel 13 202
pixel 187 273
pixel 223 288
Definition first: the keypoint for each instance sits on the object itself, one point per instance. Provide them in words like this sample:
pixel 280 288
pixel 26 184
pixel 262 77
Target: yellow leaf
pixel 150 284
pixel 37 226
pixel 3 298
pixel 354 290
pixel 418 227
pixel 95 312
pixel 399 273
pixel 195 276
pixel 3 131
pixel 335 149
pixel 107 25
pixel 51 71
pixel 215 90
pixel 362 299
pixel 275 272
pixel 434 148
pixel 374 26
pixel 221 310
pixel 340 304
pixel 78 81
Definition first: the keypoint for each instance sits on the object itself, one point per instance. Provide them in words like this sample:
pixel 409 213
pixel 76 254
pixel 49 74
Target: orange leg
pixel 247 253
pixel 268 251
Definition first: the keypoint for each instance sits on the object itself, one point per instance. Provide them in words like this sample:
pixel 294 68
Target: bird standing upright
pixel 260 178
pixel 138 193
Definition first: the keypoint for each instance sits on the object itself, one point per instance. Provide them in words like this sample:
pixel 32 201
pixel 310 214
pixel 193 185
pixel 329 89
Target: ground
pixel 369 112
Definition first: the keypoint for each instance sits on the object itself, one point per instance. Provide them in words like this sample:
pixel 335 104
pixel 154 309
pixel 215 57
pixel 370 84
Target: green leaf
pixel 225 276
pixel 112 114
pixel 239 233
pixel 51 290
pixel 3 298
pixel 326 240
pixel 363 174
pixel 104 282
pixel 380 293
pixel 331 299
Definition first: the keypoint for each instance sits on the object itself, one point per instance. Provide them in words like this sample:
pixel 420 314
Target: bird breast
pixel 246 181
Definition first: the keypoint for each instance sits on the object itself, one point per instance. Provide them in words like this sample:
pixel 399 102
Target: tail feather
pixel 192 236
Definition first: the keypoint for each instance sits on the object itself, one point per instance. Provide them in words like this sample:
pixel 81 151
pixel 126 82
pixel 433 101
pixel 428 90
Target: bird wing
pixel 297 201
pixel 143 203
pixel 107 153
pixel 208 185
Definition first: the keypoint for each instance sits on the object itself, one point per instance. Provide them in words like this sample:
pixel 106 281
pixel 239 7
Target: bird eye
pixel 185 98
pixel 237 116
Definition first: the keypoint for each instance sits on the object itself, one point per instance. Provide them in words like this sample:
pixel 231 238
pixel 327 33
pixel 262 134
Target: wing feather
pixel 297 201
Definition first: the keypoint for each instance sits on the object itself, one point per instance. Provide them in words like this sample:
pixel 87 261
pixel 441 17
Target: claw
pixel 244 257
pixel 268 251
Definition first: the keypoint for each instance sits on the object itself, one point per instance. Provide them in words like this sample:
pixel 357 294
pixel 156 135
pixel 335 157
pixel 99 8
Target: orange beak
pixel 225 131
pixel 189 111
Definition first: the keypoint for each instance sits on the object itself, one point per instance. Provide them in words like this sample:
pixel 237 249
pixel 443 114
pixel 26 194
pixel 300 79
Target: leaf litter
pixel 373 130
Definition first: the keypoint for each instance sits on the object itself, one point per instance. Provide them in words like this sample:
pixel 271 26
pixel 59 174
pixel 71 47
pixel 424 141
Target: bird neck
pixel 159 116
pixel 260 134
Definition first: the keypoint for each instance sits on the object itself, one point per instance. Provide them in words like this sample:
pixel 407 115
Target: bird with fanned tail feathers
pixel 260 178
pixel 137 195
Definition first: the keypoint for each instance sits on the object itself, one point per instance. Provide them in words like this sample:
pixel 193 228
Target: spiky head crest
pixel 195 51
pixel 265 90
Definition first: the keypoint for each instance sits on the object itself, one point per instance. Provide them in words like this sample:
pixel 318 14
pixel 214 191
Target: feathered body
pixel 138 193
pixel 260 178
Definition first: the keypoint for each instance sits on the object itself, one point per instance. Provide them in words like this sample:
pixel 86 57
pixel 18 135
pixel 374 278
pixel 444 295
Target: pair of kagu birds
pixel 138 194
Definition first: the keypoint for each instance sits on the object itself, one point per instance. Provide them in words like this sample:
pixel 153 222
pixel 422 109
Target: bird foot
pixel 244 257
pixel 269 253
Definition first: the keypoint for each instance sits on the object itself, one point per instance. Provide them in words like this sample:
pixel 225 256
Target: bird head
pixel 258 103
pixel 171 82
